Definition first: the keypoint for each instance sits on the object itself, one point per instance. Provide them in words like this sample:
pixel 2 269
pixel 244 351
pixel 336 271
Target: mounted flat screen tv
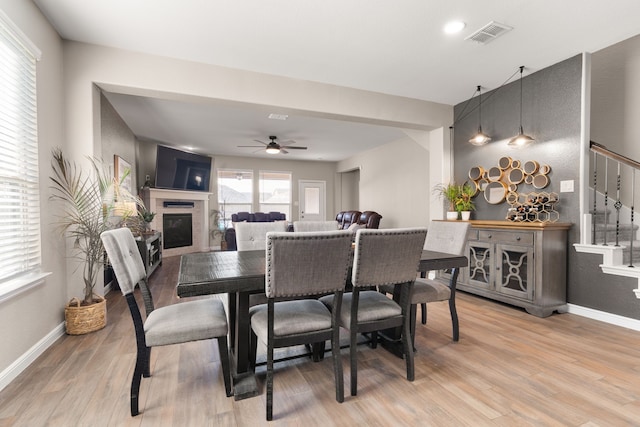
pixel 181 170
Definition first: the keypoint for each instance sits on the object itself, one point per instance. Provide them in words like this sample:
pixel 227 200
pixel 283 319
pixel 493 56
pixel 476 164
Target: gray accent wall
pixel 551 113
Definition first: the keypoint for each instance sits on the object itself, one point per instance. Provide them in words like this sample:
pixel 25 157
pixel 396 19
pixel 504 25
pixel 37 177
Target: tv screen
pixel 180 170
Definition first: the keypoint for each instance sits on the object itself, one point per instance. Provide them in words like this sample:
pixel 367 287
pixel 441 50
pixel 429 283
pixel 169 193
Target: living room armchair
pixel 366 219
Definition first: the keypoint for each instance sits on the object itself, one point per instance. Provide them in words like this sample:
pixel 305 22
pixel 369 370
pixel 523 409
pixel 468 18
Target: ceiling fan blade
pixel 283 151
pixel 261 142
pixel 289 147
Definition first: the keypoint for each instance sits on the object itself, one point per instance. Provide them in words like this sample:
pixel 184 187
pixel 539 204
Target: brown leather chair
pixel 370 219
pixel 346 218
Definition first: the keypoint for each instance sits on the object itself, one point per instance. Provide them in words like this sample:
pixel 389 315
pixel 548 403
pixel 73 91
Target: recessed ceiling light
pixel 454 27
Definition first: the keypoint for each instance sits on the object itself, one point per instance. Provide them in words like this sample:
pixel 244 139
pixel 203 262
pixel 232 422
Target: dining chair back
pixel 301 265
pixel 173 324
pixel 382 257
pixel 315 225
pixel 251 236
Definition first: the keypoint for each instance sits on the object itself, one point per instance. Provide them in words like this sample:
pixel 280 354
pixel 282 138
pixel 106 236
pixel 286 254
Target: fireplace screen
pixel 177 230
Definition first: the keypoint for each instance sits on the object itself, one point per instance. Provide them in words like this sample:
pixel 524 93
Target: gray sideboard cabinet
pixel 523 264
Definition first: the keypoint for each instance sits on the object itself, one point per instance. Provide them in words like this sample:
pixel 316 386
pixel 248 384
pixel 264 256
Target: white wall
pixel 31 318
pixel 394 181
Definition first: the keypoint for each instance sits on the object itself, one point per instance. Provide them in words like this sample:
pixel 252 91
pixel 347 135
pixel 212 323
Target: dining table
pixel 242 273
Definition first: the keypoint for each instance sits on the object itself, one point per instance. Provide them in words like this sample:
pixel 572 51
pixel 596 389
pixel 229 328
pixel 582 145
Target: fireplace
pixel 172 202
pixel 177 230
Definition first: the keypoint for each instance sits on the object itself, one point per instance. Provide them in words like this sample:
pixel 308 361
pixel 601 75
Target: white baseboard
pixel 602 316
pixel 28 358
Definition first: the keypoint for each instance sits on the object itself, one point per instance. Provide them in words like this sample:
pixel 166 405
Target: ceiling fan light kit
pixel 273 147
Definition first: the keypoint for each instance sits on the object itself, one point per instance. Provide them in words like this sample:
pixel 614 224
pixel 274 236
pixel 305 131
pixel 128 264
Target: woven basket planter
pixel 81 320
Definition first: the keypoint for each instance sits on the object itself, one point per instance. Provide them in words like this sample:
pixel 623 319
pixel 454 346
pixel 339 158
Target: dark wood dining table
pixel 242 273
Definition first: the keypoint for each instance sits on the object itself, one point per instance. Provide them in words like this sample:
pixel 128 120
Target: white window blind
pixel 19 195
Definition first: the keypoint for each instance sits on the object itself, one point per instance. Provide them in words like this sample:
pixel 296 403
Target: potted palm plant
pixel 450 193
pixel 92 203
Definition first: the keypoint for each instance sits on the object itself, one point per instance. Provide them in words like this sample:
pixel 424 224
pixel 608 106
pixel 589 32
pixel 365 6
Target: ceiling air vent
pixel 489 32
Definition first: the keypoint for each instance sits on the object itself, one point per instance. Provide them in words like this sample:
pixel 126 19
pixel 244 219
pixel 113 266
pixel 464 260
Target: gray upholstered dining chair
pixel 443 236
pixel 315 225
pixel 382 257
pixel 300 265
pixel 251 236
pixel 449 237
pixel 174 324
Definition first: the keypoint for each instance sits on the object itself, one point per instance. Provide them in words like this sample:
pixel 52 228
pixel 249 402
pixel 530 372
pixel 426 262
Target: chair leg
pixel 353 355
pixel 454 319
pixel 337 365
pixel 423 308
pixel 224 361
pixel 147 371
pixel 141 362
pixel 407 344
pixel 253 348
pixel 269 382
pixel 412 324
pixel 317 351
pixel 374 340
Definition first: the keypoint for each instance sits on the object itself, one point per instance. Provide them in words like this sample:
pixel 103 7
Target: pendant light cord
pixel 486 99
pixel 521 69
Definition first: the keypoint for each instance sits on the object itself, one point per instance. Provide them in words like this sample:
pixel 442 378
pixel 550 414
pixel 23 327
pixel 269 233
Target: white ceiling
pixel 396 48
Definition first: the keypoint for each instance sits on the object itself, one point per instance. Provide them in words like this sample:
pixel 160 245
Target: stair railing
pixel 619 161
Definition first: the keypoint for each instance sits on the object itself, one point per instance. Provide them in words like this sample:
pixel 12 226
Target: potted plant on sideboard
pixel 92 203
pixel 450 193
pixel 464 201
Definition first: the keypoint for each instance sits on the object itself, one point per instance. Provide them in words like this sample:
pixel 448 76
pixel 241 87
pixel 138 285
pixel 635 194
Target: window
pixel 275 192
pixel 20 257
pixel 235 193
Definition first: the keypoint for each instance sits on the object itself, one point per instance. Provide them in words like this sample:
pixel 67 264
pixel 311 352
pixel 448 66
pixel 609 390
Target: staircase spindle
pixel 633 198
pixel 595 198
pixel 606 199
pixel 618 205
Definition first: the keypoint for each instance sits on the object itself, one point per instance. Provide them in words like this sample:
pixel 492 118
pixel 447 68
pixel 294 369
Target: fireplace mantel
pixel 154 199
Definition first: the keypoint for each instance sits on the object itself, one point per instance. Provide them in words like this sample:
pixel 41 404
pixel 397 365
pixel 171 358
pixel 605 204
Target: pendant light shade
pixel 480 138
pixel 521 139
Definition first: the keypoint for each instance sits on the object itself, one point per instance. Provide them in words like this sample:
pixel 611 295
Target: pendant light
pixel 520 140
pixel 480 138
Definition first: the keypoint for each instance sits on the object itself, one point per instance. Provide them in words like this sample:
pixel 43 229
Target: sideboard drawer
pixel 511 237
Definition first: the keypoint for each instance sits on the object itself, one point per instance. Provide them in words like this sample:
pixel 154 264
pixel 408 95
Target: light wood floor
pixel 509 369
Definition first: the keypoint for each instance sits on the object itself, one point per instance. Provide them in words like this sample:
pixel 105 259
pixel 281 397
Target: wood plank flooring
pixel 509 369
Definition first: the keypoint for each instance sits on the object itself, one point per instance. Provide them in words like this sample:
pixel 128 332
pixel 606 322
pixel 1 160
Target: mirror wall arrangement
pixel 500 183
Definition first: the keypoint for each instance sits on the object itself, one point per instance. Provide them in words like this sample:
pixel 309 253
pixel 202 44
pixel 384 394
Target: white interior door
pixel 312 196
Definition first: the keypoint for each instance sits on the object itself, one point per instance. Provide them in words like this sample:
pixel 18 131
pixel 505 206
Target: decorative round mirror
pixel 516 176
pixel 515 164
pixel 476 172
pixel 545 169
pixel 495 192
pixel 504 163
pixel 473 185
pixel 540 181
pixel 494 174
pixel 512 188
pixel 530 167
pixel 482 184
pixel 512 197
pixel 528 179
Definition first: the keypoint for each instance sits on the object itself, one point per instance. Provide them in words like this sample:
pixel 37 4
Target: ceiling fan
pixel 273 147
